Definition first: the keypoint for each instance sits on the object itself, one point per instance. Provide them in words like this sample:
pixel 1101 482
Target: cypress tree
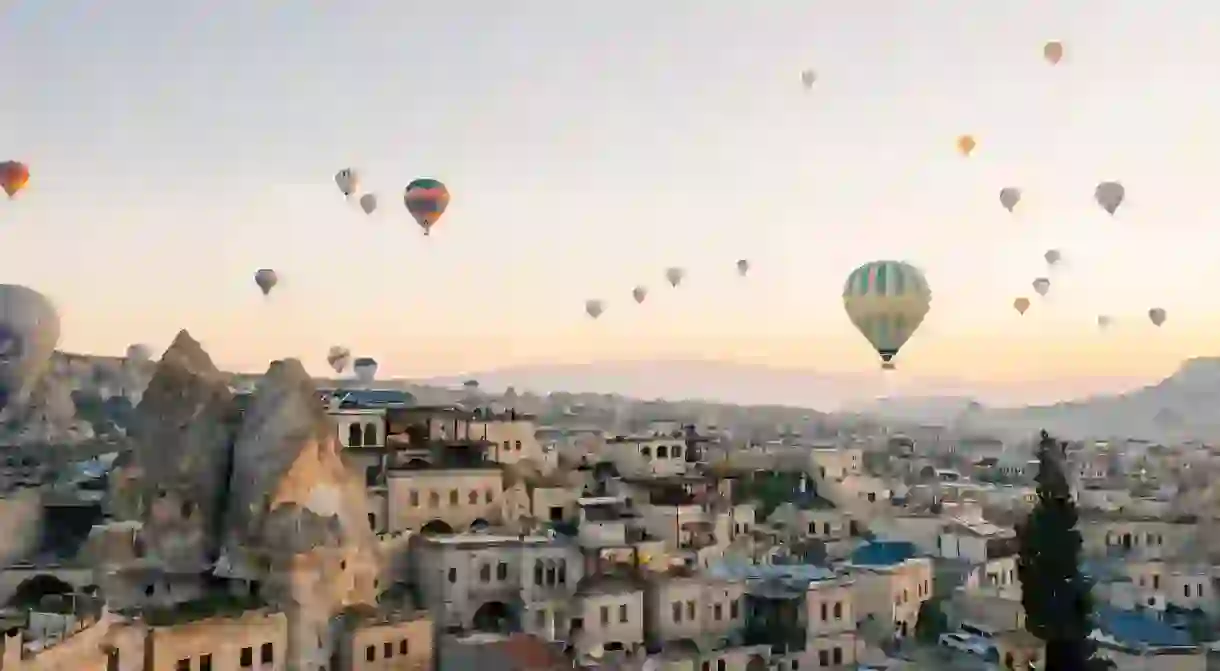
pixel 1056 596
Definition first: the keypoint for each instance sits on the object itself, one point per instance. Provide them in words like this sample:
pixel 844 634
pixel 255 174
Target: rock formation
pixel 297 517
pixel 47 415
pixel 183 431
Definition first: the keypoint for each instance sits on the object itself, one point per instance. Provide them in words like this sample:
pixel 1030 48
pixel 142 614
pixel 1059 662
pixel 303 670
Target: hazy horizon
pixel 177 147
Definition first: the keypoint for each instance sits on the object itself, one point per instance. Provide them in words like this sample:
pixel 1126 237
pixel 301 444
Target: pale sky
pixel 178 146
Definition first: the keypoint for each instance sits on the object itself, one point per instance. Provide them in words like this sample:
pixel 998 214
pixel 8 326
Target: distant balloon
pixel 1157 316
pixel 426 200
pixel 1109 195
pixel 138 353
pixel 338 357
pixel 368 202
pixel 639 294
pixel 365 368
pixel 1021 304
pixel 348 181
pixel 29 331
pixel 1009 197
pixel 1052 257
pixel 1053 52
pixel 887 301
pixel 743 267
pixel 966 144
pixel 266 279
pixel 674 275
pixel 14 175
pixel 1104 321
pixel 808 77
pixel 595 308
pixel 1042 285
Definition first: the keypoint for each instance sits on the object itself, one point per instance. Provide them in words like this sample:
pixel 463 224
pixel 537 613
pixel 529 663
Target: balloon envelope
pixel 594 308
pixel 674 275
pixel 808 77
pixel 14 175
pixel 338 357
pixel 639 294
pixel 1042 285
pixel 139 353
pixel 1109 196
pixel 1009 197
pixel 1052 256
pixel 1021 304
pixel 426 200
pixel 1053 52
pixel 743 267
pixel 29 331
pixel 266 279
pixel 966 144
pixel 1157 316
pixel 365 368
pixel 368 202
pixel 887 301
pixel 1104 321
pixel 347 180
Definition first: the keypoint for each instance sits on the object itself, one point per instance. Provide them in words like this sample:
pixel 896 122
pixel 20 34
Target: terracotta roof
pixel 524 651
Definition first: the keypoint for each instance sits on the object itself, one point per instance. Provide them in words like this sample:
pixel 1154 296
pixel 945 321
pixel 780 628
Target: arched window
pixel 370 434
pixel 646 452
pixel 662 453
pixel 474 497
pixel 838 611
pixel 550 573
pixel 355 435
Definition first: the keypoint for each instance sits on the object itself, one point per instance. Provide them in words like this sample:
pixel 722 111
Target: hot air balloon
pixel 368 202
pixel 674 275
pixel 138 353
pixel 594 308
pixel 1157 316
pixel 1109 195
pixel 1053 52
pixel 808 77
pixel 743 267
pixel 338 357
pixel 1021 304
pixel 1042 285
pixel 29 331
pixel 1104 321
pixel 348 181
pixel 887 301
pixel 639 294
pixel 1052 256
pixel 1009 197
pixel 426 200
pixel 266 279
pixel 14 175
pixel 365 368
pixel 966 144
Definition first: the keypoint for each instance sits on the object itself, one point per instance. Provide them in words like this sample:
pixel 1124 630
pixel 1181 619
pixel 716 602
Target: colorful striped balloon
pixel 426 200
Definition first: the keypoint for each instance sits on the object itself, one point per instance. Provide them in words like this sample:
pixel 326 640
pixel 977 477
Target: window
pixel 434 499
pixel 370 434
pixel 646 452
pixel 485 573
pixel 1186 590
pixel 413 496
pixel 183 665
pixel 622 613
pixel 508 446
pixel 836 656
pixel 402 647
pixel 542 619
pixel 474 497
pixel 563 572
pixel 690 610
pixel 518 445
pixel 453 497
pixel 1199 590
pixel 538 573
pixel 813 527
pixel 370 654
pixel 205 663
pixel 824 612
pixel 823 658
pixel 838 610
pixel 1156 582
pixel 267 654
pixel 734 609
pixel 387 650
pixel 112 660
pixel 247 657
pixel 706 666
pixel 605 615
pixel 502 571
pixel 372 522
pixel 796 664
pixel 487 496
pixel 354 435
pixel 718 612
pixel 662 453
pixel 452 575
pixel 550 575
pixel 677 608
pixel 676 452
pixel 720 666
pixel 148 590
pixel 826 528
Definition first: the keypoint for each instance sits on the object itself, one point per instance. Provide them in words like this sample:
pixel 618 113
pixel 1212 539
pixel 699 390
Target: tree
pixel 932 621
pixel 1055 595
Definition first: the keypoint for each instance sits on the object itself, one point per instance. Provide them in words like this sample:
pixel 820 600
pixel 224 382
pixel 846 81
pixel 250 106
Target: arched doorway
pixel 756 663
pixel 32 590
pixel 436 527
pixel 479 525
pixel 493 616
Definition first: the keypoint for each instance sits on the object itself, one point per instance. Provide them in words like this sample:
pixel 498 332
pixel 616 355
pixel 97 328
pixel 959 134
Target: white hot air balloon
pixel 368 203
pixel 674 275
pixel 1052 256
pixel 808 78
pixel 365 369
pixel 1042 286
pixel 29 331
pixel 348 181
pixel 1157 316
pixel 1104 321
pixel 1109 196
pixel 594 308
pixel 1009 197
pixel 743 267
pixel 338 357
pixel 639 294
